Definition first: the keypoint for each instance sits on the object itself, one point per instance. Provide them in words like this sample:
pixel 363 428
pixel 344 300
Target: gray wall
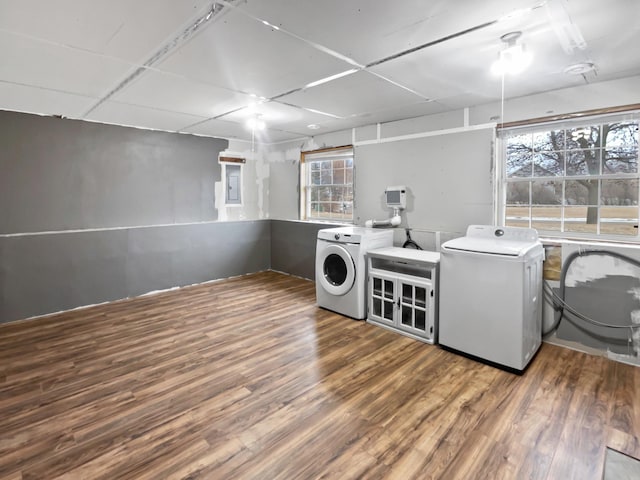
pixel 293 247
pixel 68 174
pixel 91 213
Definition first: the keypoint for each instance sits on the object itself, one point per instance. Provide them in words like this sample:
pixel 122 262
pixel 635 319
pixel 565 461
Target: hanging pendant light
pixel 256 123
pixel 514 58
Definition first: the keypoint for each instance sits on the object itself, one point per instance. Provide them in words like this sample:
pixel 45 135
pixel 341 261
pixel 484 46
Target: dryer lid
pixel 488 239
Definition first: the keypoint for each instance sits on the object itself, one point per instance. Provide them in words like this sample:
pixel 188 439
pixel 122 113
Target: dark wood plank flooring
pixel 247 379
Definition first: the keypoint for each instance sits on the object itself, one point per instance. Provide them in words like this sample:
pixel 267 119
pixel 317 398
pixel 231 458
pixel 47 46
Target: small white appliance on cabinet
pixel 491 295
pixel 341 270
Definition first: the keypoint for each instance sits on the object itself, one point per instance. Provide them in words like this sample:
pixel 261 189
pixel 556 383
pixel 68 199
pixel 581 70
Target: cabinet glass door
pixel 414 305
pixel 382 298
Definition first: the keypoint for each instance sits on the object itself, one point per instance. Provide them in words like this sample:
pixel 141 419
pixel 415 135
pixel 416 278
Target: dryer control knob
pixel 337 236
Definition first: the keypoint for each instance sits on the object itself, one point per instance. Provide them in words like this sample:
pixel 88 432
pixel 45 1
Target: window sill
pixel 551 240
pixel 324 222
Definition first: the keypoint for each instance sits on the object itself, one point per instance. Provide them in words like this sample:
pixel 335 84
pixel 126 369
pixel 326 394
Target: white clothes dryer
pixel 491 295
pixel 341 277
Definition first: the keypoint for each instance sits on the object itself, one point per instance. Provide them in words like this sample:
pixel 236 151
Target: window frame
pixel 319 155
pixel 566 123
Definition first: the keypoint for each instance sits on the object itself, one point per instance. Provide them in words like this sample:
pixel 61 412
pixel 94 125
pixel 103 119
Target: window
pixel 326 184
pixel 576 178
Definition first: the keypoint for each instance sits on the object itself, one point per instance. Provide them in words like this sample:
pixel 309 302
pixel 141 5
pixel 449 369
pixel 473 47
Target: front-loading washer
pixel 341 277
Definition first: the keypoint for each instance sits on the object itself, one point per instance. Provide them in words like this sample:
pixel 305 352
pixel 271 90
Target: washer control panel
pixel 518 234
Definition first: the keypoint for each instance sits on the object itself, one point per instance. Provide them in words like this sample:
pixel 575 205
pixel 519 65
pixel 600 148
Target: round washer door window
pixel 338 270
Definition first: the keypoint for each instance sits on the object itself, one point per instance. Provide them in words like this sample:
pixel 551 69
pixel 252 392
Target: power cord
pixel 409 243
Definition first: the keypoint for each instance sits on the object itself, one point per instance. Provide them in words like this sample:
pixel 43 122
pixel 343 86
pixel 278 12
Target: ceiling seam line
pixel 361 67
pixel 167 48
pixel 315 45
pixel 306 109
pixel 432 43
pixel 335 54
pixel 392 82
pixel 48 89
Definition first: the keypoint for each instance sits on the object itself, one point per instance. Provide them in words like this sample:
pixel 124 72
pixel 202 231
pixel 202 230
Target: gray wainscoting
pixel 46 273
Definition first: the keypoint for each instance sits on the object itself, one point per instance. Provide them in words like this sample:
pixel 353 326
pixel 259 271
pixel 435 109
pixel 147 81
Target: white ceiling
pixel 196 66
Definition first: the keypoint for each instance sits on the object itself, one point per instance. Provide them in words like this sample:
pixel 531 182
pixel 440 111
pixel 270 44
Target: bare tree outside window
pixel 581 178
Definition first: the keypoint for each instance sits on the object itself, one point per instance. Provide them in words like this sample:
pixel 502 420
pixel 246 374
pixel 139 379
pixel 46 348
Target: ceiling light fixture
pixel 256 123
pixel 313 126
pixel 253 106
pixel 580 68
pixel 514 58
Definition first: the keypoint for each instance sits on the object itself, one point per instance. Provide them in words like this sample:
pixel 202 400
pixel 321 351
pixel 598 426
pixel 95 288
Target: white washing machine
pixel 341 277
pixel 491 295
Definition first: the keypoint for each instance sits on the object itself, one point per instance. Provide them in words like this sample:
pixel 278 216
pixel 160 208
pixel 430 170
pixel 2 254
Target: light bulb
pixel 255 123
pixel 512 60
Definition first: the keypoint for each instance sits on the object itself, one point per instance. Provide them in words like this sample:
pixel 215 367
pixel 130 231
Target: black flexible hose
pixel 410 243
pixel 559 309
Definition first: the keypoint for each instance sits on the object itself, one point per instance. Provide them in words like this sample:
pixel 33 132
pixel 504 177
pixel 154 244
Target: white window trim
pixel 303 190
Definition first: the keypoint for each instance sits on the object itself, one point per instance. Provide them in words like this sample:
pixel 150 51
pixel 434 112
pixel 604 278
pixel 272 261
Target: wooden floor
pixel 248 379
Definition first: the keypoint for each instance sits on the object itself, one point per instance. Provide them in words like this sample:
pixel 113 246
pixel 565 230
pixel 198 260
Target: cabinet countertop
pixel 405 254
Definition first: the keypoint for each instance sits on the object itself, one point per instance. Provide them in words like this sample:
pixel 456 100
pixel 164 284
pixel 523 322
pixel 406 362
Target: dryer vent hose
pixel 394 221
pixel 391 222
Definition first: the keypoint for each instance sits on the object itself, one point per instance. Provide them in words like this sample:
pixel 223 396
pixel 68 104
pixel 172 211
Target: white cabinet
pixel 402 291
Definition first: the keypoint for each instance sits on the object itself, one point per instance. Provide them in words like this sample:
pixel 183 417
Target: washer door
pixel 338 270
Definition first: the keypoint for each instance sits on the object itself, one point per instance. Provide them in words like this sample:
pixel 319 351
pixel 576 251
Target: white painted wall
pixel 448 178
pixel 271 175
pixel 284 162
pixel 283 190
pixel 255 184
pixel 613 93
